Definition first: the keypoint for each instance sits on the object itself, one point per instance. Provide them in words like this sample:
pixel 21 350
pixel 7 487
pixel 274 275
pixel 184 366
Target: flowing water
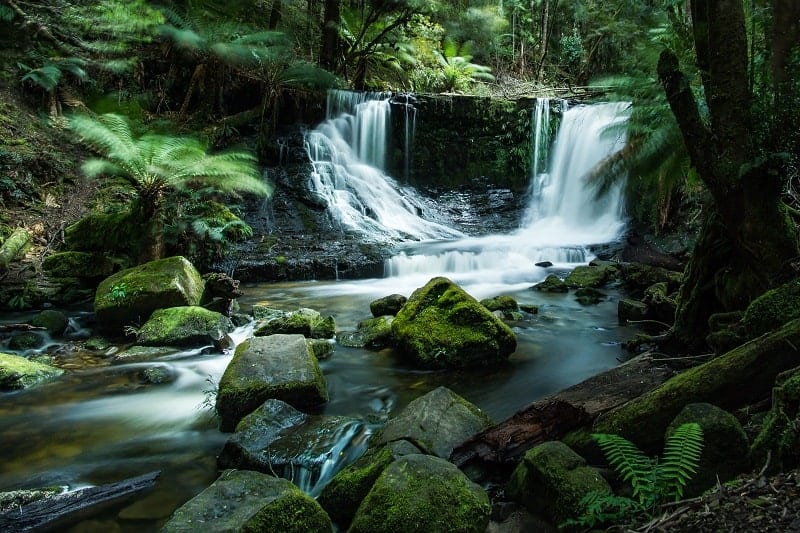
pixel 106 420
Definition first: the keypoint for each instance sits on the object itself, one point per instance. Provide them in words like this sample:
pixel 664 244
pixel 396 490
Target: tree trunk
pixel 330 45
pixel 275 15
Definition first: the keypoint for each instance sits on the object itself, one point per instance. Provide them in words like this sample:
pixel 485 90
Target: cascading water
pixel 348 154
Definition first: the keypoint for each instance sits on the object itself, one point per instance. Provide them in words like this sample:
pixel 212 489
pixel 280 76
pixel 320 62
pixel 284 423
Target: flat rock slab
pixel 277 366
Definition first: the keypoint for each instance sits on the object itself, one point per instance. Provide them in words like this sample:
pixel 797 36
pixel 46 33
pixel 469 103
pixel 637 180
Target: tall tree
pixel 748 238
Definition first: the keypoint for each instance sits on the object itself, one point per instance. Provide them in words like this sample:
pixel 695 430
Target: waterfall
pixel 348 154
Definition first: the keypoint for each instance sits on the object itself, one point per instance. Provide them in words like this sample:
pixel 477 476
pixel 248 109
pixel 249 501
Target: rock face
pixel 421 493
pixel 183 326
pixel 441 326
pixel 278 439
pixel 19 373
pixel 373 334
pixel 436 422
pixel 552 479
pixel 388 305
pixel 130 296
pixel 277 366
pixel 241 500
pixel 725 446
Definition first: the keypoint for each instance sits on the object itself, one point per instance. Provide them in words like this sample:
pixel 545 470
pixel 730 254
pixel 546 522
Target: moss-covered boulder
pixel 725 445
pixel 552 479
pixel 589 296
pixel 244 501
pixel 388 305
pixel 726 331
pixel 773 309
pixel 280 367
pixel 660 303
pixel 629 309
pixel 321 348
pixel 373 334
pixel 744 375
pixel 55 322
pixel 280 440
pixel 183 326
pixel 779 437
pixel 116 233
pixel 130 296
pixel 14 247
pixel 500 303
pixel 78 265
pixel 25 340
pixel 348 488
pixel 551 283
pixel 436 423
pixel 441 326
pixel 19 373
pixel 637 277
pixel 421 493
pixel 589 276
pixel 306 322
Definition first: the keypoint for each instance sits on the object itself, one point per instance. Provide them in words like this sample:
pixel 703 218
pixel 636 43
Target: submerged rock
pixel 130 296
pixel 441 326
pixel 241 500
pixel 388 305
pixel 183 326
pixel 421 493
pixel 19 373
pixel 373 334
pixel 278 366
pixel 551 283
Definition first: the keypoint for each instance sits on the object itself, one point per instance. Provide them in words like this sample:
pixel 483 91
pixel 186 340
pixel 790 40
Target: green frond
pixel 681 458
pixel 46 77
pixel 629 461
pixel 109 134
pixel 303 74
pixel 97 167
pixel 184 38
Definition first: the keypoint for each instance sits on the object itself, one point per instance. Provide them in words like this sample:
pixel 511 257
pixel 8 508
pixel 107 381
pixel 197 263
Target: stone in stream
pixel 183 326
pixel 441 326
pixel 590 276
pixel 551 283
pixel 55 322
pixel 304 321
pixel 388 305
pixel 242 500
pixel 278 366
pixel 422 493
pixel 500 303
pixel 130 296
pixel 19 373
pixel 280 440
pixel 373 334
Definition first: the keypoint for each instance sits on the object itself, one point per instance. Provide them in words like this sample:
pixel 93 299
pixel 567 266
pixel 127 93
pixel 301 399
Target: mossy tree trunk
pixel 748 238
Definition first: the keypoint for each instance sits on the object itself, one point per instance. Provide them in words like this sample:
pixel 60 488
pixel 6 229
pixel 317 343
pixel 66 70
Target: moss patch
pixel 19 373
pixel 182 326
pixel 773 309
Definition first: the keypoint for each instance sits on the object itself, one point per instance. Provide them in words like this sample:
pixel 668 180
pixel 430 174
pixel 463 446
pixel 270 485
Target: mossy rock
pixel 637 277
pixel 321 348
pixel 779 438
pixel 117 233
pixel 740 377
pixel 421 493
pixel 552 480
pixel 589 296
pixel 55 322
pixel 306 322
pixel 441 326
pixel 141 354
pixel 388 305
pixel 660 304
pixel 130 296
pixel 265 312
pixel 528 308
pixel 19 373
pixel 500 303
pixel 551 283
pixel 725 446
pixel 249 502
pixel 14 247
pixel 81 265
pixel 25 340
pixel 629 309
pixel 278 366
pixel 183 326
pixel 589 276
pixel 373 334
pixel 773 309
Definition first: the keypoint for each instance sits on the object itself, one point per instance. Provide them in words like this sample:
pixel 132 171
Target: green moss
pixel 293 513
pixel 78 264
pixel 25 340
pixel 780 434
pixel 589 276
pixel 551 283
pixel 182 326
pixel 19 373
pixel 14 246
pixel 55 322
pixel 106 233
pixel 773 309
pixel 500 303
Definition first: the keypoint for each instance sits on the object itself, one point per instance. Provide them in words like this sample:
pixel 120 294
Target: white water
pixel 348 153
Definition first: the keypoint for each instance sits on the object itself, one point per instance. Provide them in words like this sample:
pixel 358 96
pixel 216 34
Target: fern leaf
pixel 682 453
pixel 629 461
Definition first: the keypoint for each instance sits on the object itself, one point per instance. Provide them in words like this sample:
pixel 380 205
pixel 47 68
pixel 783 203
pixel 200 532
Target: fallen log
pixel 552 418
pixel 61 510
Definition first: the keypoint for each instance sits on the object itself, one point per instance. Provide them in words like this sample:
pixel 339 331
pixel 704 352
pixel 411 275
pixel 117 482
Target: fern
pixel 681 457
pixel 629 462
pixel 602 508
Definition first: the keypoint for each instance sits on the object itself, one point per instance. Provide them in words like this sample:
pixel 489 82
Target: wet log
pixel 552 418
pixel 58 512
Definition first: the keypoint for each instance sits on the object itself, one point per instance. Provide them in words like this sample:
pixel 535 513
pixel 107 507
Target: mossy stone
pixel 55 322
pixel 421 493
pixel 629 309
pixel 589 296
pixel 304 321
pixel 19 373
pixel 660 305
pixel 321 348
pixel 388 305
pixel 25 340
pixel 373 334
pixel 441 326
pixel 551 283
pixel 636 277
pixel 589 276
pixel 773 309
pixel 107 233
pixel 182 326
pixel 74 264
pixel 500 303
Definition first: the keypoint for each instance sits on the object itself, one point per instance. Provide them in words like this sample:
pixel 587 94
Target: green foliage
pixel 459 71
pixel 49 75
pixel 120 291
pixel 602 508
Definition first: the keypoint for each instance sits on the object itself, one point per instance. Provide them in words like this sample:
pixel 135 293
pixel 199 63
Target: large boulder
pixel 280 367
pixel 306 322
pixel 55 322
pixel 373 334
pixel 278 439
pixel 130 296
pixel 421 493
pixel 441 326
pixel 19 373
pixel 773 309
pixel 725 446
pixel 436 423
pixel 78 265
pixel 183 326
pixel 552 480
pixel 245 501
pixel 388 305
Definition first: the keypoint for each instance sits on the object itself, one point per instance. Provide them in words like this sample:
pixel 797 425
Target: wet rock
pixel 410 495
pixel 530 309
pixel 388 305
pixel 628 309
pixel 589 296
pixel 280 440
pixel 19 373
pixel 241 500
pixel 543 264
pixel 660 304
pixel 373 334
pixel 264 312
pixel 551 283
pixel 55 322
pixel 590 276
pixel 321 348
pixel 441 326
pixel 183 326
pixel 78 265
pixel 278 366
pixel 552 479
pixel 25 340
pixel 141 354
pixel 636 277
pixel 436 423
pixel 306 322
pixel 130 296
pixel 500 303
pixel 158 375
